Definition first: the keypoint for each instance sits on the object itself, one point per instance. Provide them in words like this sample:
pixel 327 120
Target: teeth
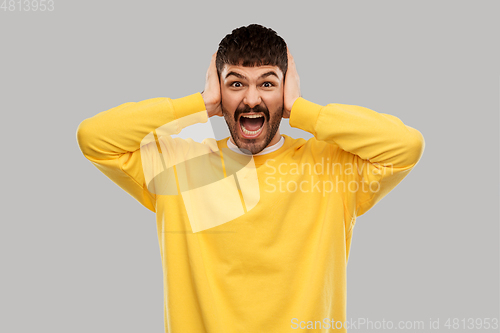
pixel 253 116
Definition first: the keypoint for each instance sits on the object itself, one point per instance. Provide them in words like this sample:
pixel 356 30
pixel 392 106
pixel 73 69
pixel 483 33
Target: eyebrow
pixel 244 77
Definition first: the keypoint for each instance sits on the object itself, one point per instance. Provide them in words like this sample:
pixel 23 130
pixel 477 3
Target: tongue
pixel 252 124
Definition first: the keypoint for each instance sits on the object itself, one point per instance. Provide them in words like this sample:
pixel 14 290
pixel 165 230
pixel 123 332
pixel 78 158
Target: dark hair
pixel 253 45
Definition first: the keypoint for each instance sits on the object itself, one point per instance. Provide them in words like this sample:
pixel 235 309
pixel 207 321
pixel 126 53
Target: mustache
pixel 258 108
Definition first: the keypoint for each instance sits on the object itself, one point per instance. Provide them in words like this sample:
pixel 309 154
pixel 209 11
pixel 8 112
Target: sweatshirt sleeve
pixel 376 150
pixel 114 139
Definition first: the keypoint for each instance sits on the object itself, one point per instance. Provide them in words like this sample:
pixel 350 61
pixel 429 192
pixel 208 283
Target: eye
pixel 267 84
pixel 234 84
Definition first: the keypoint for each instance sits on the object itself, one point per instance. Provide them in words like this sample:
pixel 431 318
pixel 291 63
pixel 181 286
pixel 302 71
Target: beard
pixel 270 127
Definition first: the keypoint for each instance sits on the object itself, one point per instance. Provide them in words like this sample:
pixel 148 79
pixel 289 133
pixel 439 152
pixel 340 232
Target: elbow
pixel 415 147
pixel 83 137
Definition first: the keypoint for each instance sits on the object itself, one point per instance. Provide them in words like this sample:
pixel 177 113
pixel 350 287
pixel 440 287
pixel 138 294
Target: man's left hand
pixel 291 88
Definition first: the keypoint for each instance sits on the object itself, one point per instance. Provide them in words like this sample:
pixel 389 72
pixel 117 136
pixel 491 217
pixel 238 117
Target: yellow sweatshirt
pixel 253 243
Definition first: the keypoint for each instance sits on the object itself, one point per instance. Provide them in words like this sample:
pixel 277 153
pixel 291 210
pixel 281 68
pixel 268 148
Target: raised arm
pixel 112 139
pixel 125 143
pixel 375 150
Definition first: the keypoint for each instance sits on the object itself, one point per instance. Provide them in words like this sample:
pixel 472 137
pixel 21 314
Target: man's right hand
pixel 211 94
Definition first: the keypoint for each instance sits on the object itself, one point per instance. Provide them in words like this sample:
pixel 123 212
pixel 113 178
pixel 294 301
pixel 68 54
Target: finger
pixel 214 56
pixel 212 64
pixel 211 67
pixel 212 60
pixel 289 54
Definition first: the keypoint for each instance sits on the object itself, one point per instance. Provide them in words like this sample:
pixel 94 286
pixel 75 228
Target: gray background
pixel 78 254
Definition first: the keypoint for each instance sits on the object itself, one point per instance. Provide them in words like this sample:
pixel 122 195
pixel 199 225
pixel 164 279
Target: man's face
pixel 252 105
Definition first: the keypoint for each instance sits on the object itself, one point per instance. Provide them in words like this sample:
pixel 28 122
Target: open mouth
pixel 251 125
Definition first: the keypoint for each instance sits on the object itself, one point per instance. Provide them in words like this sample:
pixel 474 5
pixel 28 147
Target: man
pixel 254 229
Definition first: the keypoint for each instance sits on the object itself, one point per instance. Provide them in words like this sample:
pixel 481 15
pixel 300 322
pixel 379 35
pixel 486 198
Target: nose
pixel 252 97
